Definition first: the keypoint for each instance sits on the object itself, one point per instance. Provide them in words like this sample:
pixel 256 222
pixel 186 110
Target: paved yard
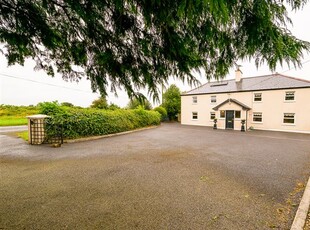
pixel 170 177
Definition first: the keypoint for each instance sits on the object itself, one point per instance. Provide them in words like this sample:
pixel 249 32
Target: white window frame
pixel 212 99
pixel 287 93
pixel 194 99
pixel 257 113
pixel 212 114
pixel 193 114
pixel 289 118
pixel 261 97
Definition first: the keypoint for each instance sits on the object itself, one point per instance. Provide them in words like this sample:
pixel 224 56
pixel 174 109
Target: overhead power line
pixel 305 62
pixel 44 83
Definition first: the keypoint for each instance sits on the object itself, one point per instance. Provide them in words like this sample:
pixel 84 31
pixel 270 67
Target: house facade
pixel 271 102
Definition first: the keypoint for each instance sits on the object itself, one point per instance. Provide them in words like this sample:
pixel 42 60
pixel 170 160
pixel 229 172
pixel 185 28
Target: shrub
pixel 113 106
pixel 135 103
pixel 50 108
pixel 67 104
pixel 100 103
pixel 162 111
pixel 91 122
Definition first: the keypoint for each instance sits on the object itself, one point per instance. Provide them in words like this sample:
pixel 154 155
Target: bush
pixel 67 104
pixel 162 111
pixel 91 122
pixel 50 108
pixel 100 103
pixel 113 106
pixel 137 103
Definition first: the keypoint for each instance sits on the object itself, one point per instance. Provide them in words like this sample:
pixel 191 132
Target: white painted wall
pixel 273 106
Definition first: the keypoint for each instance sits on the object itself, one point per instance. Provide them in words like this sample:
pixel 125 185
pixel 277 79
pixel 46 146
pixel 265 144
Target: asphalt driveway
pixel 170 177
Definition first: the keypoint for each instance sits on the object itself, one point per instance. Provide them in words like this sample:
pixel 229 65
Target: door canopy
pixel 244 107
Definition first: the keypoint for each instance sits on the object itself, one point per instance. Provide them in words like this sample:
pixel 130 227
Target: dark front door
pixel 229 119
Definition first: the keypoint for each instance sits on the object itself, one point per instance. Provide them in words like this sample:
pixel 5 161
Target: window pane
pixel 222 113
pixel 289 96
pixel 289 118
pixel 258 117
pixel 257 97
pixel 194 115
pixel 212 115
pixel 194 99
pixel 213 99
pixel 237 114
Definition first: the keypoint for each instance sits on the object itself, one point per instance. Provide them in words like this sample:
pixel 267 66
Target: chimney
pixel 238 74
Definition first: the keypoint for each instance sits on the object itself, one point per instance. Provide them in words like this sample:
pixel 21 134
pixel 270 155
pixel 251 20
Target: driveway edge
pixel 302 211
pixel 109 135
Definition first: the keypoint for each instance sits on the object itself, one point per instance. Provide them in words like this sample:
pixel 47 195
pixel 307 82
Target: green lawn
pixel 12 120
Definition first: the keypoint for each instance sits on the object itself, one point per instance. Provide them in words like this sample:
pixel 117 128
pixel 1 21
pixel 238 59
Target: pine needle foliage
pixel 131 44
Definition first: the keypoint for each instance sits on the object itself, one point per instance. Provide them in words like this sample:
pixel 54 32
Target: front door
pixel 229 119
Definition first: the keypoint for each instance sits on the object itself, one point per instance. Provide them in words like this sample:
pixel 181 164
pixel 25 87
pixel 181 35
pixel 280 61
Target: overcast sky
pixel 21 85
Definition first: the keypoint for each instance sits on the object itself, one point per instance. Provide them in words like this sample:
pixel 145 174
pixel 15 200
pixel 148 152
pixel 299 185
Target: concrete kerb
pixel 108 135
pixel 302 211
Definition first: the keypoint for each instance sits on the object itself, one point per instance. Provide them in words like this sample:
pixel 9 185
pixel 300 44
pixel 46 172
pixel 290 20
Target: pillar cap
pixel 38 116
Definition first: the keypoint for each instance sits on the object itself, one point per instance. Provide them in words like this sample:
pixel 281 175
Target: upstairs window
pixel 257 117
pixel 290 96
pixel 257 97
pixel 213 99
pixel 195 100
pixel 289 118
pixel 212 115
pixel 195 115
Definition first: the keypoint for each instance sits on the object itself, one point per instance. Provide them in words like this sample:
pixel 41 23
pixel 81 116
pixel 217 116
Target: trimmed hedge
pixel 90 122
pixel 162 111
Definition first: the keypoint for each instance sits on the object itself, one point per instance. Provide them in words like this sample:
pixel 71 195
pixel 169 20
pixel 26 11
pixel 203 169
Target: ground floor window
pixel 257 117
pixel 289 118
pixel 212 115
pixel 194 115
pixel 222 113
pixel 237 114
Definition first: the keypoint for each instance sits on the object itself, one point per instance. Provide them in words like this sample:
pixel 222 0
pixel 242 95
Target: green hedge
pixel 90 122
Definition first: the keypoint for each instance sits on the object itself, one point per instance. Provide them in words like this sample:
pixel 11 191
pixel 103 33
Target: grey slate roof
pixel 266 82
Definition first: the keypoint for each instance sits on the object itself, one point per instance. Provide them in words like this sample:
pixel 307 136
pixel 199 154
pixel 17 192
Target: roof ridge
pixel 295 78
pixel 266 75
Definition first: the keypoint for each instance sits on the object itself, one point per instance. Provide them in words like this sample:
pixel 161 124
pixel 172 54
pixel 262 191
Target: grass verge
pixel 12 121
pixel 23 135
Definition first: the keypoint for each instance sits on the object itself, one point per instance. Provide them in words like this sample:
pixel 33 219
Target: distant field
pixel 15 115
pixel 12 121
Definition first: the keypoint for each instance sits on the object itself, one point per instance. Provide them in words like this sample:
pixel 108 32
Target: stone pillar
pixel 36 131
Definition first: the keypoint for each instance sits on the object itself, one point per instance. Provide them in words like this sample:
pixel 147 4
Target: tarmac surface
pixel 8 129
pixel 170 177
